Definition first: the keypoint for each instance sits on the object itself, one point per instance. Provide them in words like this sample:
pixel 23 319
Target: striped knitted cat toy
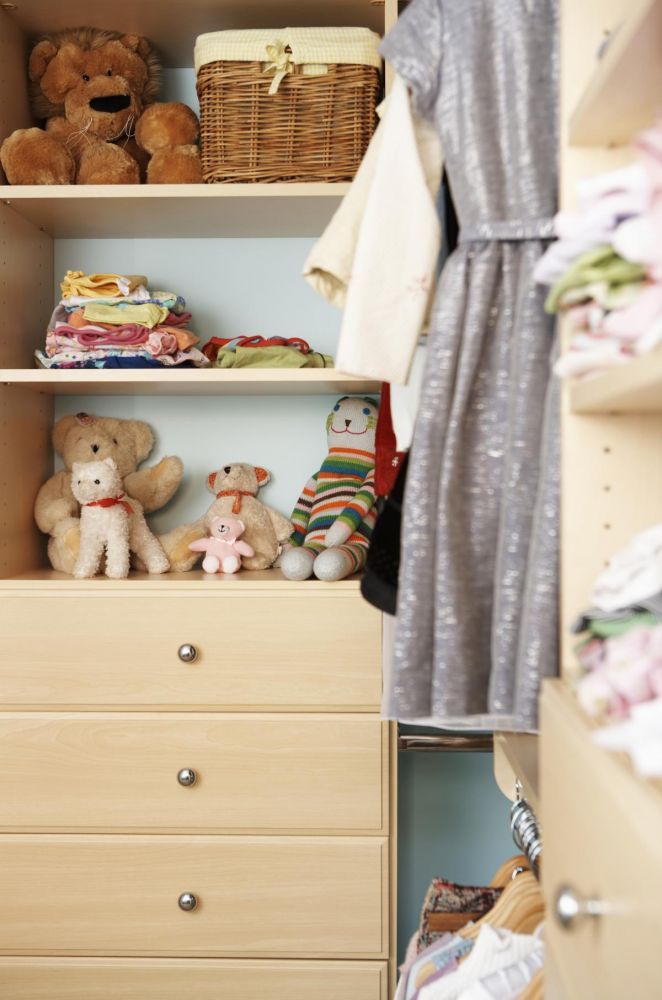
pixel 335 514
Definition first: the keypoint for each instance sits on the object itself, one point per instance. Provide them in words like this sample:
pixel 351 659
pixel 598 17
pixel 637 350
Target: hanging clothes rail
pixel 421 742
pixel 526 832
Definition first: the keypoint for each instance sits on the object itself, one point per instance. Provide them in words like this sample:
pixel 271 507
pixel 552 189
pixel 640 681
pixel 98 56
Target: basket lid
pixel 318 46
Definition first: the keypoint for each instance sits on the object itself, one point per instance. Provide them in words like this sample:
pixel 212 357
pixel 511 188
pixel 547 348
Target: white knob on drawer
pixel 187 653
pixel 570 907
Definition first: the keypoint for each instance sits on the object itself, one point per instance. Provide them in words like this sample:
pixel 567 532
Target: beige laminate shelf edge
pixel 516 759
pixel 97 211
pixel 635 387
pixel 190 382
pixel 192 583
pixel 623 94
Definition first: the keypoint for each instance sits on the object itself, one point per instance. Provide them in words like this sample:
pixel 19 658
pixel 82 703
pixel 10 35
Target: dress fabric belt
pixel 506 230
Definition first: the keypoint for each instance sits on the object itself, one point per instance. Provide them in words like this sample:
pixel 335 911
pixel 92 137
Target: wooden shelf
pixel 195 581
pixel 173 25
pixel 516 759
pixel 190 382
pixel 635 387
pixel 144 211
pixel 624 93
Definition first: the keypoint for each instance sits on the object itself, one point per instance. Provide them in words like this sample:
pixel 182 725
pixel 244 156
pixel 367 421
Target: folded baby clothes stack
pixel 620 652
pixel 605 268
pixel 115 321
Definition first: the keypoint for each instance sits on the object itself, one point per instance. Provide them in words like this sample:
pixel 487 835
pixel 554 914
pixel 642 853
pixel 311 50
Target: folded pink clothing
pixel 124 337
pixel 177 319
pixel 161 343
pixel 634 320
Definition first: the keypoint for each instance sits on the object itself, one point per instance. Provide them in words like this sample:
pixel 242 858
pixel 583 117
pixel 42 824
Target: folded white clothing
pixel 633 574
pixel 640 736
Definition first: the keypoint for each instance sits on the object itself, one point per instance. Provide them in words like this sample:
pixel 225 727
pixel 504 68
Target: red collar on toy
pixel 237 494
pixel 112 502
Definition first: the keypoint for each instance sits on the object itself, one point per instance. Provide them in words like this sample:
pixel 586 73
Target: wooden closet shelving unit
pixel 600 820
pixel 288 837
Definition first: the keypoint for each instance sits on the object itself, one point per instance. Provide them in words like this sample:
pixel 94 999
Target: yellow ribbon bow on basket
pixel 280 64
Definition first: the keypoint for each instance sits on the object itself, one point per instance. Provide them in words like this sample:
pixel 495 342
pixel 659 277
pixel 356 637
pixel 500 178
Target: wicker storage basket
pixel 291 105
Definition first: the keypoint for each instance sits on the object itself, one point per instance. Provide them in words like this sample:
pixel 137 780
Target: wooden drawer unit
pixel 254 648
pixel 294 897
pixel 204 979
pixel 93 772
pixel 602 830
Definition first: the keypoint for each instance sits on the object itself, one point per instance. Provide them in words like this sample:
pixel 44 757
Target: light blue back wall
pixel 453 821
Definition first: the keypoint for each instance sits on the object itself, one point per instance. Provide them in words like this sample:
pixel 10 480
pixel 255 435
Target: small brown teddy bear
pixel 236 488
pixel 96 92
pixel 83 438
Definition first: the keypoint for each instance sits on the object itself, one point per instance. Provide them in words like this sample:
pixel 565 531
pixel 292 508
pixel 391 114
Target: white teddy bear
pixel 111 521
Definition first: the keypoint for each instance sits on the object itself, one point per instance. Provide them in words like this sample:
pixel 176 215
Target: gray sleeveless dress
pixel 476 625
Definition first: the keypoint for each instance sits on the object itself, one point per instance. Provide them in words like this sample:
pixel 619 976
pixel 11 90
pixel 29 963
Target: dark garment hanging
pixel 379 586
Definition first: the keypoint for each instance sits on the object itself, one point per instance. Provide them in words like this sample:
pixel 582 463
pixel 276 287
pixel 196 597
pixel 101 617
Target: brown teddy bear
pixel 96 92
pixel 236 488
pixel 83 438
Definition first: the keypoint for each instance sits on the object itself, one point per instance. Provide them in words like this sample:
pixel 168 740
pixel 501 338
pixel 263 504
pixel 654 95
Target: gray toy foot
pixel 332 564
pixel 297 564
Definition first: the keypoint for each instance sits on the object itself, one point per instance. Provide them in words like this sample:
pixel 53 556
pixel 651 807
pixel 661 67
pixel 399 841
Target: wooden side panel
pixel 289 897
pixel 602 839
pixel 254 773
pixel 612 470
pixel 204 979
pixel 25 462
pixel 14 108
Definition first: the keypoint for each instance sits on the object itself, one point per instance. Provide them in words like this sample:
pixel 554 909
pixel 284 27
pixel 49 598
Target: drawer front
pixel 79 772
pixel 204 979
pixel 297 897
pixel 253 651
pixel 602 838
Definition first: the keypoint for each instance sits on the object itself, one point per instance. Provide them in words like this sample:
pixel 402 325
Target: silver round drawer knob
pixel 187 653
pixel 570 907
pixel 187 777
pixel 187 901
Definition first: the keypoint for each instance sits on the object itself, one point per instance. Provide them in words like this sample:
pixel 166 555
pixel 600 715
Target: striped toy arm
pixel 301 513
pixel 354 513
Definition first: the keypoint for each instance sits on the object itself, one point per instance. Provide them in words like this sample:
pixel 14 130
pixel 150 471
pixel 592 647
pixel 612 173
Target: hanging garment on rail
pixel 476 619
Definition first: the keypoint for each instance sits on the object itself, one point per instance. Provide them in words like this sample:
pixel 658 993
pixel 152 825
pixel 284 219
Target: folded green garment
pixel 605 628
pixel 280 356
pixel 603 265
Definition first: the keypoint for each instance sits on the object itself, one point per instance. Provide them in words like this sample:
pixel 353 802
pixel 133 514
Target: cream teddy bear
pixel 224 548
pixel 85 438
pixel 111 521
pixel 235 487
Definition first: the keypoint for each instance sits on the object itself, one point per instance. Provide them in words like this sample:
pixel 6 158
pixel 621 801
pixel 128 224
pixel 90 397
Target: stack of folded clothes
pixel 621 647
pixel 115 321
pixel 606 267
pixel 264 352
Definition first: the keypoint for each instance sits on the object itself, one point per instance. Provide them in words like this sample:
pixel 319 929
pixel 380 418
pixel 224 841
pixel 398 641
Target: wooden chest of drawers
pixel 215 819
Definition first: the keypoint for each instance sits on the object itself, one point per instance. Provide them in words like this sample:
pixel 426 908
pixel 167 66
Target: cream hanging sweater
pixel 377 257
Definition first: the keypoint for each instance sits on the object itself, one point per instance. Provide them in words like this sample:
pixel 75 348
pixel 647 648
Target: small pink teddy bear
pixel 223 548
